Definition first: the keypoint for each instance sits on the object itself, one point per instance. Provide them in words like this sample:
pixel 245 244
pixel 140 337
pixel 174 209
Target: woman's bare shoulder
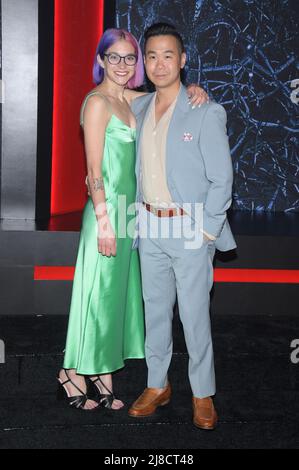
pixel 95 106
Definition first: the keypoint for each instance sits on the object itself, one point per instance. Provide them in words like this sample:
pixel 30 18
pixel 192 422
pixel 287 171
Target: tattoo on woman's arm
pixel 98 184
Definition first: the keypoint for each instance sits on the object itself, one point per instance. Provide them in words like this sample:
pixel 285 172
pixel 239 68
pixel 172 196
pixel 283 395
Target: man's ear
pixel 100 61
pixel 183 60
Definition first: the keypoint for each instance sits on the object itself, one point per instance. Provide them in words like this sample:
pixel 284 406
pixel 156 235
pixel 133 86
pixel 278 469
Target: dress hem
pixel 109 371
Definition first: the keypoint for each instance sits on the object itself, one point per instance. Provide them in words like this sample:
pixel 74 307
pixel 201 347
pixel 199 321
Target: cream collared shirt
pixel 153 155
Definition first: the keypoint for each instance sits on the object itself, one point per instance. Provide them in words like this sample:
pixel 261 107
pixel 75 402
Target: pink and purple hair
pixel 110 37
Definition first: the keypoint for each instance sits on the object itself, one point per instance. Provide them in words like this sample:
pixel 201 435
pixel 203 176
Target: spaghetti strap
pixel 86 100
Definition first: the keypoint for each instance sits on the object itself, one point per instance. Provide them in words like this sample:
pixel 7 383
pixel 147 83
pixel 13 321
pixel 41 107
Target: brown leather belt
pixel 164 212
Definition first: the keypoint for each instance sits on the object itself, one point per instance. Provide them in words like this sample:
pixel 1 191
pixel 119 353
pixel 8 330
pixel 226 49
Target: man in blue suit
pixel 184 177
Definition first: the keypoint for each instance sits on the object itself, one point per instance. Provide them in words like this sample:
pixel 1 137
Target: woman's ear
pixel 100 61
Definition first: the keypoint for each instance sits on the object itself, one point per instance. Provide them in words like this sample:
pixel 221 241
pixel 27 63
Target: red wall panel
pixel 257 276
pixel 78 27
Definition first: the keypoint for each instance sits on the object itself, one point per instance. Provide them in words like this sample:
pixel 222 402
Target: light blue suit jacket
pixel 199 170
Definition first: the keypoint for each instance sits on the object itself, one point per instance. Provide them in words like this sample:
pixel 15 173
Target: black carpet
pixel 257 394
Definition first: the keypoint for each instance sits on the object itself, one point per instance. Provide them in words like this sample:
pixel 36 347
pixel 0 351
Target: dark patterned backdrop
pixel 245 54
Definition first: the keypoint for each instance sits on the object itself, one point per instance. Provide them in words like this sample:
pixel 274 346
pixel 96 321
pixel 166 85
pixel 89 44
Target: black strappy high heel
pixel 105 399
pixel 77 402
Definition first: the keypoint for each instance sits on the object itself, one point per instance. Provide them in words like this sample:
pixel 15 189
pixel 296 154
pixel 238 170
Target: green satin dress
pixel 106 324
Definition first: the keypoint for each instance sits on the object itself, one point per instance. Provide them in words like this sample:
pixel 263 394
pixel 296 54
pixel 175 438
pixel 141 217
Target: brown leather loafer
pixel 149 401
pixel 205 416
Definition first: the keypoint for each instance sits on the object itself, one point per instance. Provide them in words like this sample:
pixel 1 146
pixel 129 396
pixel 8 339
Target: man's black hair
pixel 163 29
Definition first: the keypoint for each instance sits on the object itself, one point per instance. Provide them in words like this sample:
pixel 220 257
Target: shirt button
pixel 155 133
pixel 154 155
pixel 154 176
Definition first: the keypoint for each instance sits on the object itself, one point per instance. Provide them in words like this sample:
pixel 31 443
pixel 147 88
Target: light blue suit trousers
pixel 169 269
